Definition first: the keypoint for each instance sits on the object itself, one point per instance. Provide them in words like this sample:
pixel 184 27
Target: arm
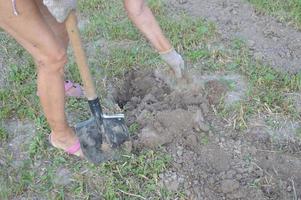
pixel 144 20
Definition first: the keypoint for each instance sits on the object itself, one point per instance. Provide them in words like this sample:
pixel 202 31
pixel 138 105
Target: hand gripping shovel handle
pixel 82 62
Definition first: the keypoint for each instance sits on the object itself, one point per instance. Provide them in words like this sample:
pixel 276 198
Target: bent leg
pixel 30 29
pixel 59 29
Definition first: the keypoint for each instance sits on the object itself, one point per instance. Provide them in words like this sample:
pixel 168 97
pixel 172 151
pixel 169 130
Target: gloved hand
pixel 60 9
pixel 175 61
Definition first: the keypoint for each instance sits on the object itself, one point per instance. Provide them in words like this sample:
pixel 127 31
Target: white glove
pixel 175 61
pixel 60 9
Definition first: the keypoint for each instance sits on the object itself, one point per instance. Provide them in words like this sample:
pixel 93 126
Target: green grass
pixel 108 20
pixel 136 176
pixel 267 87
pixel 3 134
pixel 286 11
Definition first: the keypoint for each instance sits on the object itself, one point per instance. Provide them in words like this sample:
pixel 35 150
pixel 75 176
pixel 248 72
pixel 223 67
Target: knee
pixel 52 61
pixel 134 8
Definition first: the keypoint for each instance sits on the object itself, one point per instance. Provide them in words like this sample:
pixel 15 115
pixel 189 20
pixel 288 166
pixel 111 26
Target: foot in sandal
pixel 66 141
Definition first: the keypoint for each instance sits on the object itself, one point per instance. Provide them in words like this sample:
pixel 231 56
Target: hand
pixel 60 9
pixel 175 61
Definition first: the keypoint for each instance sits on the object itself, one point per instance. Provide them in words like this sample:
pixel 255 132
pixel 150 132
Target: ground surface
pixel 232 132
pixel 268 39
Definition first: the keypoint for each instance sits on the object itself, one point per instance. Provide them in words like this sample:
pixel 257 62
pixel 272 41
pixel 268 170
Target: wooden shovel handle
pixel 80 56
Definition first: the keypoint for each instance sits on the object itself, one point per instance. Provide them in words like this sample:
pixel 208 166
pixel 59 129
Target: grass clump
pixel 286 11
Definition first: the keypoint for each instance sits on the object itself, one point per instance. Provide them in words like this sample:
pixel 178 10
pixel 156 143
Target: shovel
pixel 102 134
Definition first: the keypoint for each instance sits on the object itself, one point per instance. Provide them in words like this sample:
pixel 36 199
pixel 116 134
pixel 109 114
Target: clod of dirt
pixel 151 138
pixel 216 158
pixel 162 113
pixel 209 160
pixel 233 90
pixel 216 91
pixel 200 123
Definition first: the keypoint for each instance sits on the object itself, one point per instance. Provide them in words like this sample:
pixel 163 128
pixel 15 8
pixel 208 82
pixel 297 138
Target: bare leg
pixel 145 21
pixel 32 31
pixel 59 29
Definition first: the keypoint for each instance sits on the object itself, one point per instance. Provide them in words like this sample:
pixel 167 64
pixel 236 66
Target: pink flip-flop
pixel 72 89
pixel 71 150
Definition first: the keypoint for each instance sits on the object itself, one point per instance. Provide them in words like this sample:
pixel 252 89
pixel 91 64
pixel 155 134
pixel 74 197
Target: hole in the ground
pixel 140 87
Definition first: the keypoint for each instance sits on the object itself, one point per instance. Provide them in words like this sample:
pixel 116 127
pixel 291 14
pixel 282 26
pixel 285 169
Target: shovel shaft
pixel 80 56
pixel 112 130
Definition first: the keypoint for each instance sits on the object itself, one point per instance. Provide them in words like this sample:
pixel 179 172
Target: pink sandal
pixel 71 150
pixel 72 89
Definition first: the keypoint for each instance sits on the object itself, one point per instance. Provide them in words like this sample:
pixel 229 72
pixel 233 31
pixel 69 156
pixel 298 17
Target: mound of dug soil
pixel 209 160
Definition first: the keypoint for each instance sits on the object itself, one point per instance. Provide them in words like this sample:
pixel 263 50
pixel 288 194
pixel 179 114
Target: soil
pixel 210 160
pixel 270 40
pixel 22 133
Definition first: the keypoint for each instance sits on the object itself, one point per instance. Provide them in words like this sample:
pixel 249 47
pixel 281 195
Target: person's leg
pixel 143 18
pixel 59 29
pixel 30 29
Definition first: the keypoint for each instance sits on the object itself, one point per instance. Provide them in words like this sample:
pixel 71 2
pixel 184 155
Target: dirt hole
pixel 207 162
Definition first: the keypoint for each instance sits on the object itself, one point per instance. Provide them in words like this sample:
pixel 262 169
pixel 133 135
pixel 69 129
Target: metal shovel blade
pixel 100 143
